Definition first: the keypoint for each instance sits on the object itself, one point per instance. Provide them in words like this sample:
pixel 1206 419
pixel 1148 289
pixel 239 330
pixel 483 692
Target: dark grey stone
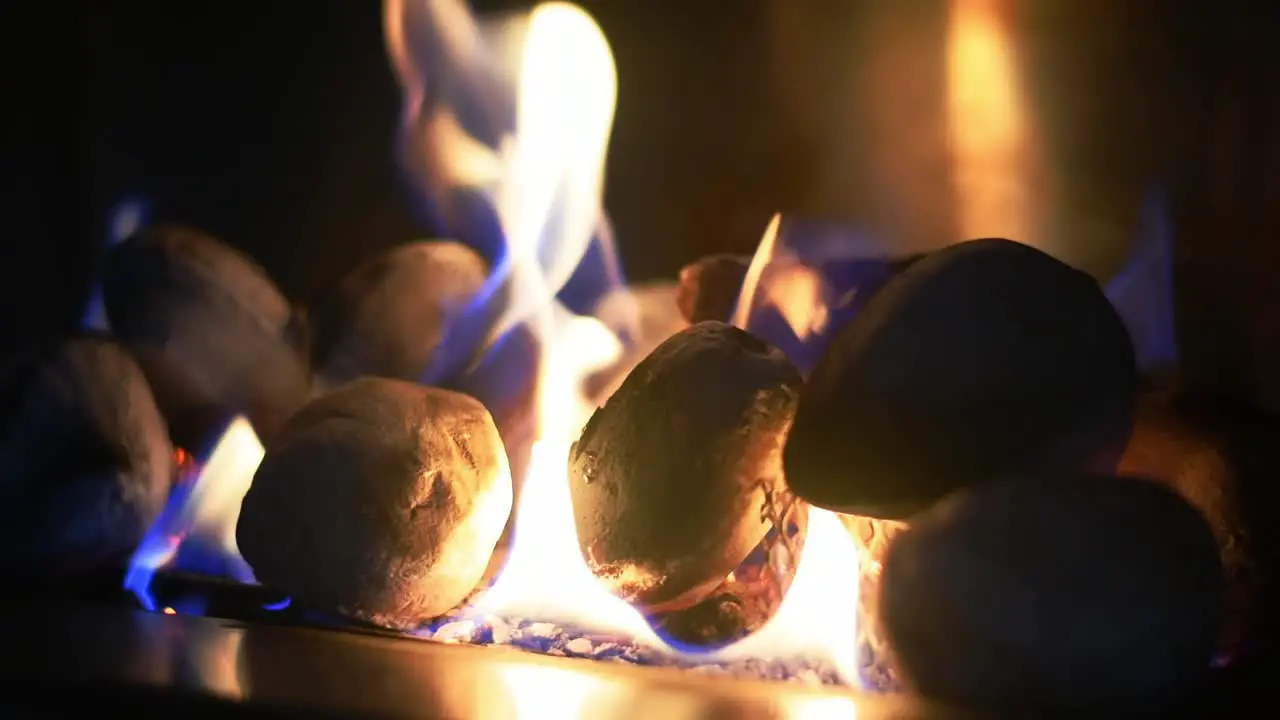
pixel 669 478
pixel 382 500
pixel 210 330
pixel 85 460
pixel 1055 592
pixel 985 358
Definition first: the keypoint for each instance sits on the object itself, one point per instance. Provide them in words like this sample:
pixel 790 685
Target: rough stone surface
pixel 1067 592
pixel 670 476
pixel 709 287
pixel 381 500
pixel 1221 456
pixel 505 379
pixel 85 459
pixel 213 334
pixel 983 359
pixel 388 316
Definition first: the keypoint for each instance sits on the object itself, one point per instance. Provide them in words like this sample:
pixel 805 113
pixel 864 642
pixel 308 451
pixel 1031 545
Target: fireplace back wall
pixel 274 130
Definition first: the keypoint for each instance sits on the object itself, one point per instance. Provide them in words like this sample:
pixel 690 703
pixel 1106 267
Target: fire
pixel 204 508
pixel 543 178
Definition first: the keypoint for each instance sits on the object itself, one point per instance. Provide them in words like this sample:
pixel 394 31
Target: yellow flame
pixel 223 482
pixel 765 252
pixel 566 83
pixel 565 102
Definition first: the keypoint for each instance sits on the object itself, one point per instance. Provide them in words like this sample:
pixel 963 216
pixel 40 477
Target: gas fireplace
pixel 484 474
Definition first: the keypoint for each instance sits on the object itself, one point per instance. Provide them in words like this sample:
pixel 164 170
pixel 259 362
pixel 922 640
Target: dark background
pixel 271 125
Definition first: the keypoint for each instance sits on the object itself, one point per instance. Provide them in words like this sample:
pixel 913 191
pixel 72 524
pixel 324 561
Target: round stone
pixel 983 359
pixel 670 477
pixel 382 500
pixel 85 459
pixel 1057 592
pixel 209 328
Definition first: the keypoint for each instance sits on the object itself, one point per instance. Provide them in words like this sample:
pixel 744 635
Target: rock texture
pixel 213 334
pixel 85 460
pixel 388 316
pixel 709 287
pixel 1067 593
pixel 1221 455
pixel 669 477
pixel 985 358
pixel 381 500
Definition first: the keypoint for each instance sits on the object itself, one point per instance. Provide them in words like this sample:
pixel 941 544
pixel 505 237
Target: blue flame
pixel 277 606
pixel 158 546
pixel 167 543
pixel 1142 292
pixel 123 220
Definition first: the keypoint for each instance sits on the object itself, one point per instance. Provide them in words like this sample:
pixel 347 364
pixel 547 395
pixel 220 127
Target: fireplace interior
pixel 501 359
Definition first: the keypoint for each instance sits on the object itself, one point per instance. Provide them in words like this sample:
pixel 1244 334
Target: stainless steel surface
pixel 931 122
pixel 317 671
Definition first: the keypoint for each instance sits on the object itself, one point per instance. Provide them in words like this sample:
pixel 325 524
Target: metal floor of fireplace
pixel 87 642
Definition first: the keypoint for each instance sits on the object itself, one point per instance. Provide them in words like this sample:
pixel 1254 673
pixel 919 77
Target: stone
pixel 381 500
pixel 505 379
pixel 669 478
pixel 709 287
pixel 1220 455
pixel 389 315
pixel 85 460
pixel 1055 592
pixel 209 328
pixel 983 359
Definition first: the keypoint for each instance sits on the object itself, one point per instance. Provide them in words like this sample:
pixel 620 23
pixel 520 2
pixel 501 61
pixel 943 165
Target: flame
pixel 566 93
pixel 825 587
pixel 205 508
pixel 126 218
pixel 543 177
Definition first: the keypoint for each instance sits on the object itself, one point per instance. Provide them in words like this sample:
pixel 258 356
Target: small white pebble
pixel 579 646
pixel 501 633
pixel 809 677
pixel 455 631
pixel 542 629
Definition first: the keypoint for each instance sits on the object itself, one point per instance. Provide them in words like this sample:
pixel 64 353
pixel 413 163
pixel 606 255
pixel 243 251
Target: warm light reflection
pixel 820 708
pixel 538 692
pixel 765 253
pixel 217 664
pixel 993 152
